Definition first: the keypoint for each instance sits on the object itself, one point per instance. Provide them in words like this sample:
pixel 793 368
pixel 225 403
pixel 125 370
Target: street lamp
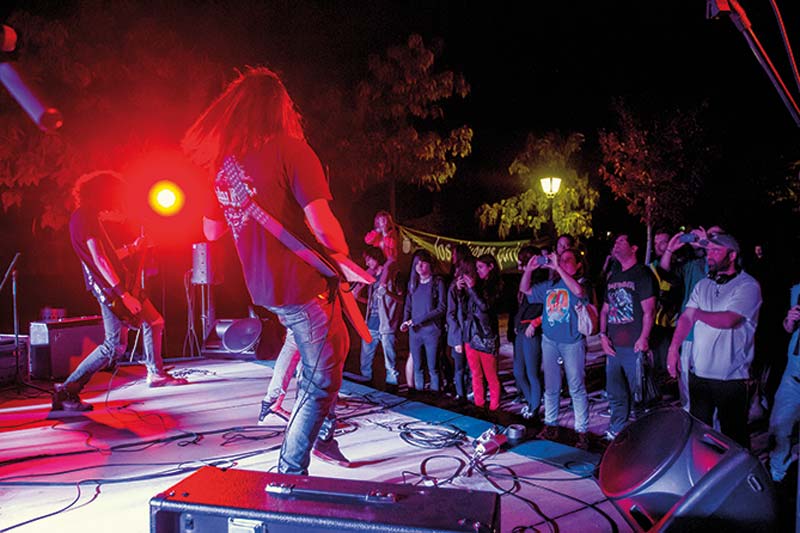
pixel 550 186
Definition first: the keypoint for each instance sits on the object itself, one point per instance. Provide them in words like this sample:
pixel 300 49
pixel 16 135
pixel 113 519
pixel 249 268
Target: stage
pixel 98 471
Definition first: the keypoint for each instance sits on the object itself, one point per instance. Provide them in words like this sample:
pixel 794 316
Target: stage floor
pixel 97 471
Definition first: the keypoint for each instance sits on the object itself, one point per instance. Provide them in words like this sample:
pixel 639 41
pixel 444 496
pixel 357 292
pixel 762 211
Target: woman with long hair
pixel 423 318
pixel 457 300
pixel 481 281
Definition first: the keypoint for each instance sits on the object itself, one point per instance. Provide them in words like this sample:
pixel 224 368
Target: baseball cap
pixel 726 240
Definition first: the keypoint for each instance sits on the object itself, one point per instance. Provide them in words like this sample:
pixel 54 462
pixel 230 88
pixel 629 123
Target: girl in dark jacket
pixel 457 300
pixel 424 319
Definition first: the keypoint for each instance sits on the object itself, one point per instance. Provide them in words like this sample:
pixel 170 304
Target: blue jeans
pixel 620 385
pixel 785 414
pixel 574 357
pixel 284 370
pixel 527 360
pixel 430 341
pixel 368 349
pixel 460 371
pixel 322 340
pixel 106 353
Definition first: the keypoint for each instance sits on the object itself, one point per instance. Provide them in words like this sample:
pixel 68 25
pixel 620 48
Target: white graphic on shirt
pixel 230 181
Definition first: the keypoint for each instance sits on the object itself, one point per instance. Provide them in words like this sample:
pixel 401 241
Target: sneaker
pixel 610 435
pixel 270 416
pixel 328 451
pixel 164 380
pixel 548 433
pixel 605 413
pixel 64 400
pixel 583 441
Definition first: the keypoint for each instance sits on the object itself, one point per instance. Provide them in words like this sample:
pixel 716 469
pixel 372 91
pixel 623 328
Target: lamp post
pixel 550 186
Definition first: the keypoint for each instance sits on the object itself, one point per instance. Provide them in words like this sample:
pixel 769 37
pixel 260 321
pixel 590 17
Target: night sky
pixel 543 66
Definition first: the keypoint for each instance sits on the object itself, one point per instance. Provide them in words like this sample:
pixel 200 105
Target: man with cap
pixel 723 310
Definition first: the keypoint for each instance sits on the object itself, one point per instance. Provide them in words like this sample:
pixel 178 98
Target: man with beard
pixel 723 310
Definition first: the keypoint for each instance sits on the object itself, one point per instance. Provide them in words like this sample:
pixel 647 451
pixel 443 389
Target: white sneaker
pixel 164 380
pixel 609 435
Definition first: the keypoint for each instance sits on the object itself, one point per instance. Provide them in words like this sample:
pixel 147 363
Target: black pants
pixel 730 400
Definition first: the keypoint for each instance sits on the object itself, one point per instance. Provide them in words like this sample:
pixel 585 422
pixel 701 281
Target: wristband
pixel 118 290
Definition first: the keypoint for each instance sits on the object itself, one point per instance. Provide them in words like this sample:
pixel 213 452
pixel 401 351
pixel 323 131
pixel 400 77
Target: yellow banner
pixel 441 247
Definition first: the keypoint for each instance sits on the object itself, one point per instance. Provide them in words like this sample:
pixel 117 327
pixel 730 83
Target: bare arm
pixel 719 319
pixel 648 313
pixel 325 226
pixel 572 284
pixel 683 327
pixel 527 274
pixel 608 347
pixel 102 262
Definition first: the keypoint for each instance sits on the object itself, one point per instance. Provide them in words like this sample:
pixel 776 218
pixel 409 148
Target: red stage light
pixel 166 198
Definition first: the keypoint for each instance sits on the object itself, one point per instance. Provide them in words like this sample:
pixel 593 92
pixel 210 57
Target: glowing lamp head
pixel 166 198
pixel 550 186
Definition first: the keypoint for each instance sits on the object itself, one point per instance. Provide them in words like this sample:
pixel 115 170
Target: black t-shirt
pixel 285 175
pixel 82 227
pixel 624 295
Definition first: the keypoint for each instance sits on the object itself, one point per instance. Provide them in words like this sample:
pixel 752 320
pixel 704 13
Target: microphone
pixel 47 118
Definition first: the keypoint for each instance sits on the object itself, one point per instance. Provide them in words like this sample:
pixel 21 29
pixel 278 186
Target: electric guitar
pixel 329 264
pixel 133 285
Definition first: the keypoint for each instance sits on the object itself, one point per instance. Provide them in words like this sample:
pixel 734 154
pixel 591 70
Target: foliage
pixel 548 155
pixel 788 191
pixel 656 168
pixel 121 95
pixel 394 132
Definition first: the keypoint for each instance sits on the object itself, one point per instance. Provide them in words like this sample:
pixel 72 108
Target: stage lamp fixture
pixel 166 198
pixel 550 186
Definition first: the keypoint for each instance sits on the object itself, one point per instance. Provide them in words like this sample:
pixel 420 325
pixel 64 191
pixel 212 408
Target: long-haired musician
pixel 98 196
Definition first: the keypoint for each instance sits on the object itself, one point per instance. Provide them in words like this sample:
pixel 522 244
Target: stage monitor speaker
pixel 242 335
pixel 670 472
pixel 242 501
pixel 58 346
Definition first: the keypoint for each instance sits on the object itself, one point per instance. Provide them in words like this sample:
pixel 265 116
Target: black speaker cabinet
pixel 670 472
pixel 242 501
pixel 58 346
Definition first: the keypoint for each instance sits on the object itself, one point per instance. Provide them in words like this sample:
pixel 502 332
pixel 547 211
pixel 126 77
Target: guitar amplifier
pixel 241 501
pixel 58 346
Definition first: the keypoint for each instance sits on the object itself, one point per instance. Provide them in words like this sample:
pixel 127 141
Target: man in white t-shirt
pixel 723 308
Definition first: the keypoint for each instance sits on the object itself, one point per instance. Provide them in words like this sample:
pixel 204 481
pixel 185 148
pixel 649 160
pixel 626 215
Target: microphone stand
pixel 12 272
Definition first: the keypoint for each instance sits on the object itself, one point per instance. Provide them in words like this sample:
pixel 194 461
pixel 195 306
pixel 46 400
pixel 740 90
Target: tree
pixel 120 96
pixel 394 133
pixel 787 192
pixel 656 168
pixel 548 155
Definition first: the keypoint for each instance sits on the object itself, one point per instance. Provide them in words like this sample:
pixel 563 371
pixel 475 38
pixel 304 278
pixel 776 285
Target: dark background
pixel 533 67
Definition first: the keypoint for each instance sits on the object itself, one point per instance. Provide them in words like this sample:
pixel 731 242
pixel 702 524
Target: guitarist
pixel 251 138
pixel 99 196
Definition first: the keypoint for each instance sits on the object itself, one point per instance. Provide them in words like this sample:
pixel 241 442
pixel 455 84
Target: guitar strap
pixel 233 173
